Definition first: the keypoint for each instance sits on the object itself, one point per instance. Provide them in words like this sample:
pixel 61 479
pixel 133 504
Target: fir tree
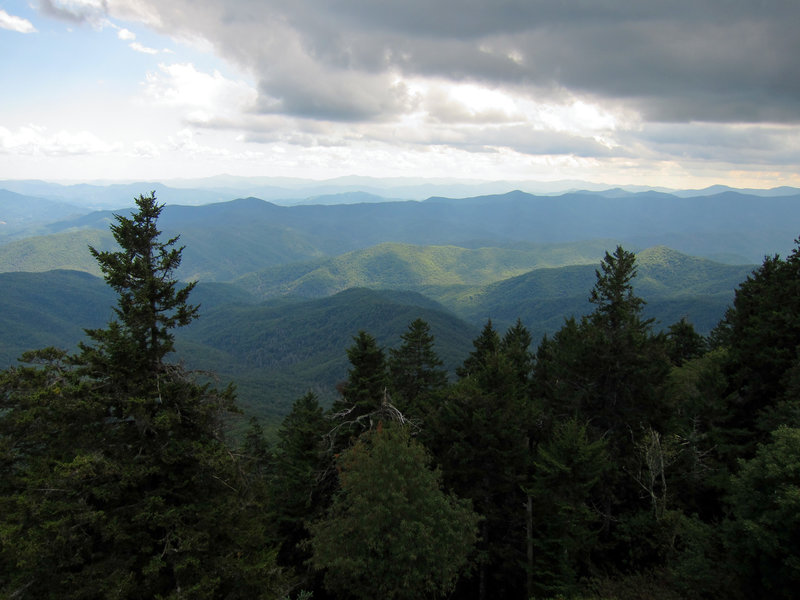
pixel 366 387
pixel 762 336
pixel 133 493
pixel 298 492
pixel 415 370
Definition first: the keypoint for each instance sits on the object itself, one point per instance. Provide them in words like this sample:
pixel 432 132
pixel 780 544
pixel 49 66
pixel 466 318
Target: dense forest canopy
pixel 608 459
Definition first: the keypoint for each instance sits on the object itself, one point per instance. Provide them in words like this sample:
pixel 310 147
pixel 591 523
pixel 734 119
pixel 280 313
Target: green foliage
pixel 608 368
pixel 416 371
pixel 567 471
pixel 367 383
pixel 297 495
pixel 762 334
pixel 392 532
pixel 149 305
pixel 403 266
pixel 765 501
pixel 49 309
pixel 516 348
pixel 484 365
pixel 480 437
pixel 65 250
pixel 117 482
pixel 684 343
pixel 618 308
pixel 675 285
pixel 278 350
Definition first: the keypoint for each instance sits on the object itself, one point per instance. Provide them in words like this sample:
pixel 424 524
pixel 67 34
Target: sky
pixel 672 93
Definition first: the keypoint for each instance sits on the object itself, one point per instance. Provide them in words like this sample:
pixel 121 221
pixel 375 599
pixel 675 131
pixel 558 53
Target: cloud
pixel 205 97
pixel 143 49
pixel 92 12
pixel 627 82
pixel 126 35
pixel 34 140
pixel 681 61
pixel 17 24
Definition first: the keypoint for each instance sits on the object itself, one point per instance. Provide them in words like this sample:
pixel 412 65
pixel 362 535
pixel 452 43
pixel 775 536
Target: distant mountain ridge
pixel 230 239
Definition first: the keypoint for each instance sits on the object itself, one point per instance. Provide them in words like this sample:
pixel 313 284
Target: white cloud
pixel 126 35
pixel 205 96
pixel 143 49
pixel 146 149
pixel 184 142
pixel 17 24
pixel 38 141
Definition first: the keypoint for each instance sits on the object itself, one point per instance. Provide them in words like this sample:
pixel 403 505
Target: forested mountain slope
pixel 278 350
pixel 53 308
pixel 673 284
pixel 405 266
pixel 274 351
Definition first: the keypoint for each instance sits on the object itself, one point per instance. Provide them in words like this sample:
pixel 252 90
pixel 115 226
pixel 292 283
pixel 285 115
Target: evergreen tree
pixel 138 496
pixel 483 363
pixel 365 389
pixel 609 371
pixel 618 308
pixel 415 371
pixel 516 348
pixel 765 536
pixel 129 354
pixel 568 469
pixel 609 368
pixel 684 343
pixel 298 492
pixel 762 336
pixel 392 532
pixel 481 440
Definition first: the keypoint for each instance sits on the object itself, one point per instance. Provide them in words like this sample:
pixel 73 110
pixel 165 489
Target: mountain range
pixel 283 289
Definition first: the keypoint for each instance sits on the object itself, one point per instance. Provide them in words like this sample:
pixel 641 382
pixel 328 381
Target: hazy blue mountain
pixel 718 189
pixel 113 195
pixel 21 214
pixel 227 240
pixel 358 197
pixel 289 191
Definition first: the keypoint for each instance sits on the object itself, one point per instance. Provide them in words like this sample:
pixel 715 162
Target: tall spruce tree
pixel 567 470
pixel 130 352
pixel 365 389
pixel 481 440
pixel 609 367
pixel 298 492
pixel 762 335
pixel 415 371
pixel 609 370
pixel 130 490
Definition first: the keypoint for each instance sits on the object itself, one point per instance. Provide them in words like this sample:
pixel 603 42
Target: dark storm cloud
pixel 708 60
